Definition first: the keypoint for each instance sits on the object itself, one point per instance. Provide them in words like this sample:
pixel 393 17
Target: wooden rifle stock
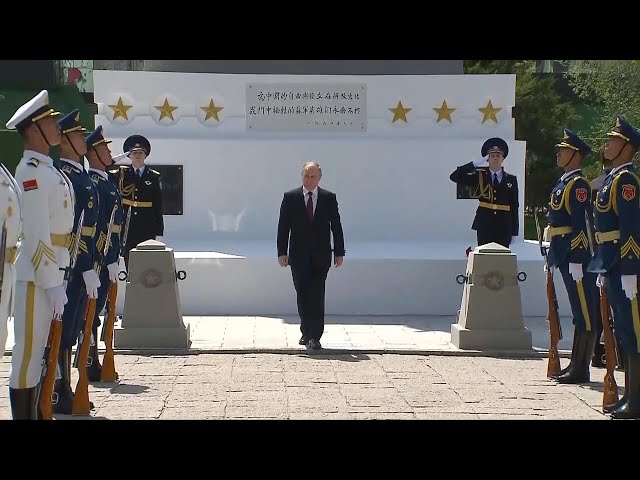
pixel 81 404
pixel 610 394
pixel 46 390
pixel 554 326
pixel 109 373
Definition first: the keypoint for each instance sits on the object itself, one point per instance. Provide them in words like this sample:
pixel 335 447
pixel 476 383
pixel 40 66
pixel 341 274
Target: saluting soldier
pixel 569 252
pixel 84 281
pixel 496 217
pixel 47 216
pixel 141 190
pixel 10 219
pixel 617 259
pixel 99 157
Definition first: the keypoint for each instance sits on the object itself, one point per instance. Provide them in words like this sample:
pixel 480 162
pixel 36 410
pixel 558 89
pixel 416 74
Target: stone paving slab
pixel 333 387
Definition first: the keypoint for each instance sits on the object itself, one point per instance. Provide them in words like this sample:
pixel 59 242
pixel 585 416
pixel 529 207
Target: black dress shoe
pixel 302 341
pixel 314 344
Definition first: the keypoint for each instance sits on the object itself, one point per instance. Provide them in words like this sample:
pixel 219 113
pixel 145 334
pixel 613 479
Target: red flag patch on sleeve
pixel 30 185
pixel 628 192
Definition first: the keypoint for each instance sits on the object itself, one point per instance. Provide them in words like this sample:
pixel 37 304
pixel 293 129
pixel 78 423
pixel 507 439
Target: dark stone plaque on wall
pixel 171 177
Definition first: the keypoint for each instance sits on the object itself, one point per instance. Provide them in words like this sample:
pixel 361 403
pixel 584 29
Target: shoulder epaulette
pixel 154 171
pixel 33 162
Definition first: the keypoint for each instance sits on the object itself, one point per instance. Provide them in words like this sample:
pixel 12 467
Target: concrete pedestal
pixel 152 315
pixel 490 316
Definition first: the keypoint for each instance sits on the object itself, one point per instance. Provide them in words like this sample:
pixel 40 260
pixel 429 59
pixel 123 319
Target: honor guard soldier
pixel 496 217
pixel 10 229
pixel 99 157
pixel 569 251
pixel 141 190
pixel 599 358
pixel 47 222
pixel 617 259
pixel 84 281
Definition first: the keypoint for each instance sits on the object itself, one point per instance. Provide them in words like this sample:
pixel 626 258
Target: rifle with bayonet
pixel 555 329
pixel 610 393
pixel 109 373
pixel 81 404
pixel 50 357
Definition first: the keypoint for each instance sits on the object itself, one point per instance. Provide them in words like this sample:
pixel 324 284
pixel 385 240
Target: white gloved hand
pixel 600 281
pixel 113 271
pixel 92 282
pixel 57 298
pixel 159 238
pixel 630 285
pixel 544 267
pixel 480 161
pixel 575 269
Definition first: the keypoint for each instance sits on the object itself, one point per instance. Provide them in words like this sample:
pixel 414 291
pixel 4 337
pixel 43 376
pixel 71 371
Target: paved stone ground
pixel 350 385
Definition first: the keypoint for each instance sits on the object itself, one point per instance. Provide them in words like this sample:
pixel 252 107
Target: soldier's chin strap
pixel 42 133
pixel 105 165
pixel 74 148
pixel 570 160
pixel 619 152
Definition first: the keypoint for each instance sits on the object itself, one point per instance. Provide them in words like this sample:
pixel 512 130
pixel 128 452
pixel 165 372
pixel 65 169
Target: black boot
pixel 62 400
pixel 94 370
pixel 613 406
pixel 579 372
pixel 24 403
pixel 620 356
pixel 573 349
pixel 631 408
pixel 599 359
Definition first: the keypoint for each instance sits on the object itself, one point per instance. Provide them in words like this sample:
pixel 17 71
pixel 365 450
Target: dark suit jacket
pixel 300 237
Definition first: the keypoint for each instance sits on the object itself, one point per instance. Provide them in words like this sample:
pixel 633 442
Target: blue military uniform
pixel 617 219
pixel 109 199
pixel 496 218
pixel 86 199
pixel 569 244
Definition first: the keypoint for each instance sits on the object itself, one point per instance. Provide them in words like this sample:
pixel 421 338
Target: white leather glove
pixel 159 238
pixel 480 161
pixel 600 281
pixel 630 285
pixel 575 269
pixel 57 298
pixel 92 282
pixel 544 267
pixel 113 271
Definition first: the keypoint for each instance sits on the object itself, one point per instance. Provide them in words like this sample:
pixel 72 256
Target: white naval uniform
pixel 9 212
pixel 47 222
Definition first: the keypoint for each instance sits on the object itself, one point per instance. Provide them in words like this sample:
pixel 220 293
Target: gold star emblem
pixel 444 112
pixel 400 113
pixel 211 111
pixel 120 109
pixel 489 112
pixel 166 110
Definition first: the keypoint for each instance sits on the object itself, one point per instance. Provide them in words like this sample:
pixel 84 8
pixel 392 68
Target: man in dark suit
pixel 496 218
pixel 308 215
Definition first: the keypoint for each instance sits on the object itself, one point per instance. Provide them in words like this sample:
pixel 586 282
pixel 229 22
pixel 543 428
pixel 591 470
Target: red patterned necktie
pixel 310 206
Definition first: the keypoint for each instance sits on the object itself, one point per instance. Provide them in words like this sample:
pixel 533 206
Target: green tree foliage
pixel 608 88
pixel 540 115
